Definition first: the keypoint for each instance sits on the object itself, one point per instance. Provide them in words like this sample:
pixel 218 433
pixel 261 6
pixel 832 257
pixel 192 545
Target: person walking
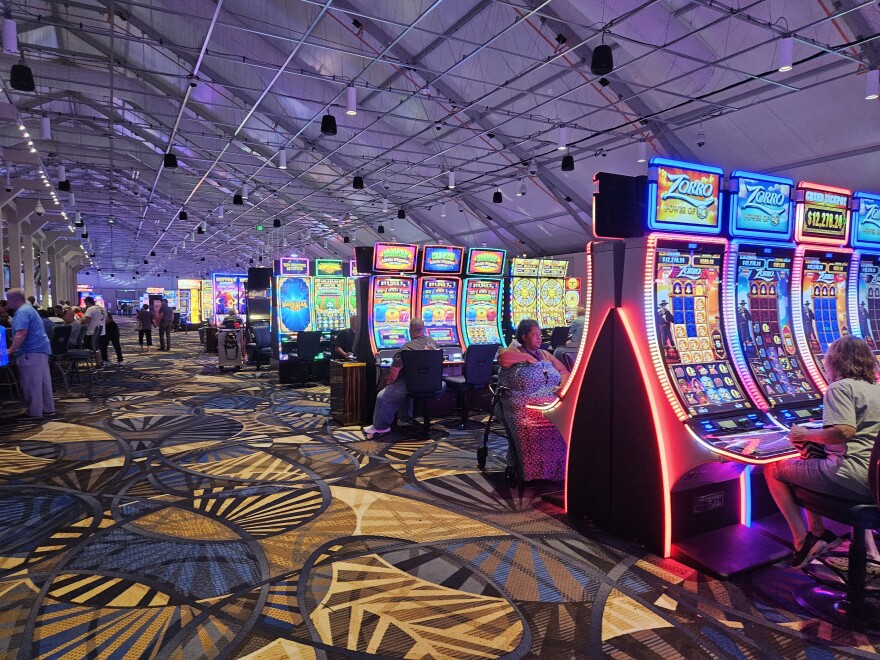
pixel 95 317
pixel 145 326
pixel 111 336
pixel 164 318
pixel 31 349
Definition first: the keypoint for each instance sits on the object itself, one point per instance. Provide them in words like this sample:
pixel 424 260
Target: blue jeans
pixel 392 399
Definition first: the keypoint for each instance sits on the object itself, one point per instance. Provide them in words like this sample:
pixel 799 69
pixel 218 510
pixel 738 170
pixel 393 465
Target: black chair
pixel 558 338
pixel 423 373
pixel 302 367
pixel 854 606
pixel 84 356
pixel 59 343
pixel 477 375
pixel 260 351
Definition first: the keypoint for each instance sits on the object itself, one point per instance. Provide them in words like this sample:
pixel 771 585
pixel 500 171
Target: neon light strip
pixel 852 303
pixel 658 429
pixel 799 220
pixel 797 319
pixel 745 496
pixel 728 303
pixel 587 304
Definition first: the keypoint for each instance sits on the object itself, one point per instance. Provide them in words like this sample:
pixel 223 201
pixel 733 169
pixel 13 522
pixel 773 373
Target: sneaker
pixel 406 421
pixel 371 431
pixel 811 548
pixel 831 539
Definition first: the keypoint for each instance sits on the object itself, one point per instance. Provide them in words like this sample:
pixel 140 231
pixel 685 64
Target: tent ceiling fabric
pixel 479 87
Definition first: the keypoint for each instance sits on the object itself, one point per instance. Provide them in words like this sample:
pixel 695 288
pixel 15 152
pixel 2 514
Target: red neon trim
pixel 647 375
pixel 587 304
pixel 805 185
pixel 740 458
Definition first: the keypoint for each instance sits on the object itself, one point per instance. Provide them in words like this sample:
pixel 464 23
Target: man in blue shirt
pixel 31 348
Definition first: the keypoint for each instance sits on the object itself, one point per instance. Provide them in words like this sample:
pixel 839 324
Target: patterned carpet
pixel 172 511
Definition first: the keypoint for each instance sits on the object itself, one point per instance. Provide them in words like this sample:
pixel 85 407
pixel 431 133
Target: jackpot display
pixel 486 262
pixel 481 299
pixel 689 330
pixel 391 308
pixel 760 206
pixel 294 304
pixel 824 301
pixel 394 257
pixel 439 302
pixel 823 214
pixel 764 325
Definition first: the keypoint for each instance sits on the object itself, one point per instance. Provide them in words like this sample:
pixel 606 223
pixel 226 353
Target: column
pixel 27 258
pixel 3 283
pixel 14 252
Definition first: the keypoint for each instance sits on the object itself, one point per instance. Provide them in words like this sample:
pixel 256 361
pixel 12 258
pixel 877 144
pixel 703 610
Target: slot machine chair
pixel 558 338
pixel 59 344
pixel 423 372
pixel 848 603
pixel 477 375
pixel 301 367
pixel 260 350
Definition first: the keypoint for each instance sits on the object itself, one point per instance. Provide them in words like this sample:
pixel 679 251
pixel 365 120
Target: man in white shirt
pixel 95 318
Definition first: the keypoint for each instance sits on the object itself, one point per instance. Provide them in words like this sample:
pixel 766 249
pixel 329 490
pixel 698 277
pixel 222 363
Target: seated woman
pixel 531 376
pixel 834 459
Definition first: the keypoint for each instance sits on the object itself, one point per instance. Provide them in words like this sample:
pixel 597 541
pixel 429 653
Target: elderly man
pixel 31 349
pixel 394 396
pixel 94 319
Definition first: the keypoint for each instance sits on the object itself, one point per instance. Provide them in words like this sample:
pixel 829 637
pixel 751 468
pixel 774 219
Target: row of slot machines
pixel 708 346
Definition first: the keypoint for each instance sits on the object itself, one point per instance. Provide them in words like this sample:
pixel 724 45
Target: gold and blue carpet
pixel 172 511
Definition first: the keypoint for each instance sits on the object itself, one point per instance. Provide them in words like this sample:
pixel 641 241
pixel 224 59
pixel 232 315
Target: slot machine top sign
pixel 295 267
pixel 822 214
pixel 442 259
pixel 328 268
pixel 683 197
pixel 760 205
pixel 482 261
pixel 395 257
pixel 866 220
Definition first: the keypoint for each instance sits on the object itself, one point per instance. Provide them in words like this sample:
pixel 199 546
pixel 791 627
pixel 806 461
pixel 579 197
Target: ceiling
pixel 477 87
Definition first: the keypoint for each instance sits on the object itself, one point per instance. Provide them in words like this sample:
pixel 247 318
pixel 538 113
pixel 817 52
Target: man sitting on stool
pixel 394 397
pixel 345 342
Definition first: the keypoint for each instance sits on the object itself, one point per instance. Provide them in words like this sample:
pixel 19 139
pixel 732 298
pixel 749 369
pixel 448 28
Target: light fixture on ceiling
pixel 10 37
pixel 401 214
pixel 183 215
pixel 237 200
pixel 21 78
pixel 785 54
pixel 77 219
pixel 522 188
pixel 284 242
pixel 220 211
pixel 200 229
pixel 461 206
pixel 346 239
pixel 497 197
pixel 46 128
pixel 380 229
pixel 562 137
pixel 392 224
pixel 85 234
pixel 282 159
pixel 276 223
pixel 146 262
pixel 170 161
pixel 384 205
pixel 568 163
pixel 328 124
pixel 174 250
pixel 602 61
pixel 39 209
pixel 872 85
pixel 450 183
pixel 183 244
pixel 152 253
pixel 358 183
pixel 351 101
pixel 443 210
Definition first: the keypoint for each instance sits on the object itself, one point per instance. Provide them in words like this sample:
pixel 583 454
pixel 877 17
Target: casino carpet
pixel 174 511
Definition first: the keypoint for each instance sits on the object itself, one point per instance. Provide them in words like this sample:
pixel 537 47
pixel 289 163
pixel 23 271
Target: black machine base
pixel 556 498
pixel 834 607
pixel 726 552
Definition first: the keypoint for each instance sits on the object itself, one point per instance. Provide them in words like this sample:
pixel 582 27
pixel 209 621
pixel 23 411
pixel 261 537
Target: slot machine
pixel 293 304
pixel 522 297
pixel 665 428
pixel 572 298
pixel 229 293
pixel 550 289
pixel 481 302
pixel 329 304
pixel 391 298
pixel 439 297
pixel 351 288
pixel 864 286
pixel 820 276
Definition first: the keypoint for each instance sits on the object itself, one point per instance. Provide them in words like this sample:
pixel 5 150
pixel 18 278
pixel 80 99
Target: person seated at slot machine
pixel 576 329
pixel 394 397
pixel 835 458
pixel 531 376
pixel 345 341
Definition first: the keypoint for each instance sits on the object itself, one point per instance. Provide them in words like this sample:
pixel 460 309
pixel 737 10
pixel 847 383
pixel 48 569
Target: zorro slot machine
pixel 865 275
pixel 664 428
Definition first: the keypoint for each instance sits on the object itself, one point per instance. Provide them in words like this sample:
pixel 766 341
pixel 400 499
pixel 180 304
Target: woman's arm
pixel 507 357
pixel 839 434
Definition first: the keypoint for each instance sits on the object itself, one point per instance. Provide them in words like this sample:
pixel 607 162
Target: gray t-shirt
pixel 853 403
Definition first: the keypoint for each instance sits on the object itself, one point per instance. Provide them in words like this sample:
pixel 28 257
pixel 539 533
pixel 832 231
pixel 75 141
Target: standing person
pixel 164 320
pixel 31 348
pixel 145 326
pixel 576 330
pixel 111 336
pixel 95 317
pixel 394 396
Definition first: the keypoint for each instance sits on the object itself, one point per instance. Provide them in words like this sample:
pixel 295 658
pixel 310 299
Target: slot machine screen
pixel 4 354
pixel 551 302
pixel 294 304
pixel 523 299
pixel 439 308
pixel 764 325
pixel 391 306
pixel 481 311
pixel 823 301
pixel 329 304
pixel 572 298
pixel 869 300
pixel 687 282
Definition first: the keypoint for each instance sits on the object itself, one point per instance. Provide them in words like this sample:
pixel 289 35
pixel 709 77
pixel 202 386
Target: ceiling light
pixel 146 262
pixel 872 85
pixel 10 37
pixel 443 210
pixel 183 215
pixel 562 138
pixel 785 54
pixel 496 196
pixel 152 253
pixel 200 229
pixel 346 239
pixel 568 163
pixel 85 234
pixel 21 78
pixel 220 211
pixel 328 124
pixel 451 180
pixel 401 214
pixel 358 183
pixel 46 130
pixel 245 189
pixel 38 209
pixel 522 189
pixel 276 223
pixel 380 229
pixel 384 205
pixel 237 200
pixel 351 101
pixel 170 161
pixel 282 160
pixel 643 152
pixel 602 62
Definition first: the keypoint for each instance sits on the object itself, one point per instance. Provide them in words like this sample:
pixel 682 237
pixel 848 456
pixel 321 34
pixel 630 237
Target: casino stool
pixel 852 606
pixel 260 351
pixel 423 373
pixel 60 347
pixel 477 374
pixel 558 337
pixel 302 367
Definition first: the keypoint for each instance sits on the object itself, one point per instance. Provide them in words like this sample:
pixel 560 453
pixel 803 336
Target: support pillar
pixel 27 259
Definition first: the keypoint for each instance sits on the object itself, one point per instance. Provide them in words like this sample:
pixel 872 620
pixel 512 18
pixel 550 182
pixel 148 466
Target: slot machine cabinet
pixel 482 297
pixel 864 286
pixel 438 300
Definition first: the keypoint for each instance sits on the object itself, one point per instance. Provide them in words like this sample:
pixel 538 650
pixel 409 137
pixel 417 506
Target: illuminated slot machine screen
pixel 351 287
pixel 572 298
pixel 439 300
pixel 328 295
pixel 230 293
pixel 4 354
pixel 869 300
pixel 481 297
pixel 523 290
pixel 823 303
pixel 294 304
pixel 689 331
pixel 551 293
pixel 391 305
pixel 764 325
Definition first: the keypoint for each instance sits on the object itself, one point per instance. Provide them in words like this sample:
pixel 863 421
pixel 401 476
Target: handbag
pixel 139 325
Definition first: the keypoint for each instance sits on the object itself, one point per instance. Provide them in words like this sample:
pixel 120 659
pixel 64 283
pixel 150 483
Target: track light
pixel 10 37
pixel 384 205
pixel 346 239
pixel 282 160
pixel 643 152
pixel 328 124
pixel 183 215
pixel 443 210
pixel 39 209
pixel 401 214
pixel 785 54
pixel 170 161
pixel 237 200
pixel 451 180
pixel 200 229
pixel 568 163
pixel 245 190
pixel 602 62
pixel 380 229
pixel 64 185
pixel 220 211
pixel 351 101
pixel 152 253
pixel 202 259
pixel 496 196
pixel 46 130
pixel 562 138
pixel 872 85
pixel 21 78
pixel 522 188
pixel 276 223
pixel 358 183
